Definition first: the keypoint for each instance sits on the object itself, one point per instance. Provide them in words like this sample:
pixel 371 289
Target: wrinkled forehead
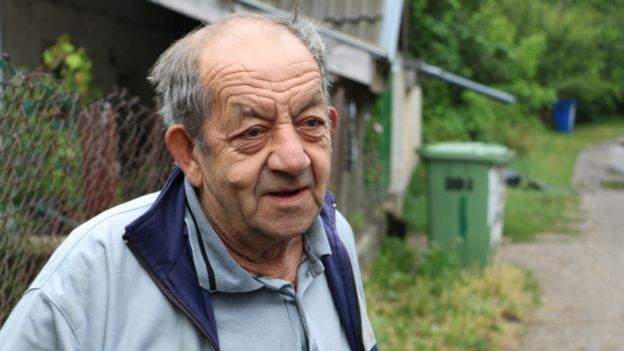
pixel 252 44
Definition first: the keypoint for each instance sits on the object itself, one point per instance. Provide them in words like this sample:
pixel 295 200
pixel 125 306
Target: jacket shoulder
pixel 95 240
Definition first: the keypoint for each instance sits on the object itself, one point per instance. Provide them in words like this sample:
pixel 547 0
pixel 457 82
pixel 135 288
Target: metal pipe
pixel 439 73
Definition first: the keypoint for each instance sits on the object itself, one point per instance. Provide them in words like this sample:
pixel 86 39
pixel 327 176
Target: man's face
pixel 267 165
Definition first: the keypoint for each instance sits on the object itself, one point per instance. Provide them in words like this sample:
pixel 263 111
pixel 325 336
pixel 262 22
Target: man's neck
pixel 277 260
pixel 257 253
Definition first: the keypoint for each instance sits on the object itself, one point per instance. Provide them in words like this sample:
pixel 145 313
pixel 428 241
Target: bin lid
pixel 467 151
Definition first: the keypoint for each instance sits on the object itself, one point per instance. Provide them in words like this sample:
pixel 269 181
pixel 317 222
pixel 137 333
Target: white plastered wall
pixel 406 136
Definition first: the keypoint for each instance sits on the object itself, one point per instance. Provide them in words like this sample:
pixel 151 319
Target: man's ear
pixel 181 145
pixel 333 118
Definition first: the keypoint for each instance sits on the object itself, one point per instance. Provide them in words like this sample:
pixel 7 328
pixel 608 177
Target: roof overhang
pixel 347 56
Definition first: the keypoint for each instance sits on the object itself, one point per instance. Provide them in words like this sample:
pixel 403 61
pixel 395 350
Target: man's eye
pixel 314 122
pixel 252 133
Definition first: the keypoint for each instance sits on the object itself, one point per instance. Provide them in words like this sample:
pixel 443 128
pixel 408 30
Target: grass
pixel 425 301
pixel 415 202
pixel 550 161
pixel 529 212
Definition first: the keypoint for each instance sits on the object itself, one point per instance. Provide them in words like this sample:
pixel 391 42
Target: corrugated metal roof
pixel 361 19
pixel 356 32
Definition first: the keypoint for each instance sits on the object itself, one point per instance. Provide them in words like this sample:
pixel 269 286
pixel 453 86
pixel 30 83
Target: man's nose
pixel 287 152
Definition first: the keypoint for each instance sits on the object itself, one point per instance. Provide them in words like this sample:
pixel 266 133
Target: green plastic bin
pixel 466 197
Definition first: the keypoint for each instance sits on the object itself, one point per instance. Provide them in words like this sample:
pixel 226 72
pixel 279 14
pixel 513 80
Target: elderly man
pixel 243 248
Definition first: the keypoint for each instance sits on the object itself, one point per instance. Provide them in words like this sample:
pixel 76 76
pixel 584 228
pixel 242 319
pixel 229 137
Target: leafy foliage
pixel 35 109
pixel 42 105
pixel 537 50
pixel 72 65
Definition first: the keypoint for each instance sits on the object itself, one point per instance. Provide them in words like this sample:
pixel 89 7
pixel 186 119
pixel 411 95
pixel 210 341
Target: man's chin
pixel 287 227
pixel 291 230
pixel 287 220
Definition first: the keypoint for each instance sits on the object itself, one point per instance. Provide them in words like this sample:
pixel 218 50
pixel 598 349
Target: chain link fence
pixel 62 164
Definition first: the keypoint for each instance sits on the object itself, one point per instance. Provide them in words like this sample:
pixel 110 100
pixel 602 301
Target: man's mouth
pixel 286 193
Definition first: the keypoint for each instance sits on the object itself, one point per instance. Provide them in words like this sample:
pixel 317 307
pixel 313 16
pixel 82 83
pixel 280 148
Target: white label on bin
pixel 496 199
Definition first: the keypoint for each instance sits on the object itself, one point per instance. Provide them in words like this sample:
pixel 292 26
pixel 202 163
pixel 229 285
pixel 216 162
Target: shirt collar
pixel 216 269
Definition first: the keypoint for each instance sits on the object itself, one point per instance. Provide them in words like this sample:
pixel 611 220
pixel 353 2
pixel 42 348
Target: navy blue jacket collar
pixel 159 240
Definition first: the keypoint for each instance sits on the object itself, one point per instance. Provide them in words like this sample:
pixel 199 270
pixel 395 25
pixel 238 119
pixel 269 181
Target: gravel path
pixel 581 276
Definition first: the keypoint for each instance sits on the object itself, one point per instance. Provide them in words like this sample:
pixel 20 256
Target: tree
pixel 537 50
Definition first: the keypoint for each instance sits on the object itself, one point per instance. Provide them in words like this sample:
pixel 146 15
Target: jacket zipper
pixel 165 290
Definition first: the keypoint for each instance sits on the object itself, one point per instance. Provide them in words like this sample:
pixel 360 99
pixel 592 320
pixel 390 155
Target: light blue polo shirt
pixel 262 313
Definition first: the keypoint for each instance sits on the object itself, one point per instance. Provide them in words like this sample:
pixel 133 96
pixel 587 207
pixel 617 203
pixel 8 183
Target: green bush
pixel 538 51
pixel 71 65
pixel 41 173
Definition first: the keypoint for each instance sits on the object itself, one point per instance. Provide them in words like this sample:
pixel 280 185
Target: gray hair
pixel 176 77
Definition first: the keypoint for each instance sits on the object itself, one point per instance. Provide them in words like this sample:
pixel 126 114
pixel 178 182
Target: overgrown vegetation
pixel 537 50
pixel 35 107
pixel 425 301
pixel 44 105
pixel 72 66
pixel 415 201
pixel 551 162
pixel 40 186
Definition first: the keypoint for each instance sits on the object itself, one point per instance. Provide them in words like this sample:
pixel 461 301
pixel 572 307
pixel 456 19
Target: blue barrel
pixel 564 114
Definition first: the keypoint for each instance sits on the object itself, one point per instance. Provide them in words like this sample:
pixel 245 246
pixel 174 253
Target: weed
pixel 551 162
pixel 613 184
pixel 425 301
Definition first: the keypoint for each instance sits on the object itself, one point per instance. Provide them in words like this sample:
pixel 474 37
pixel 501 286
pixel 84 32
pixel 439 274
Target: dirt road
pixel 581 276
